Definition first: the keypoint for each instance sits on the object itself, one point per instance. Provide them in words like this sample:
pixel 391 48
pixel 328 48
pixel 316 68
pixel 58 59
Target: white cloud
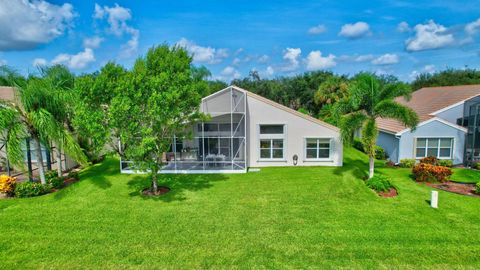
pixel 317 29
pixel 269 71
pixel 292 56
pixel 364 58
pixel 315 61
pixel 27 24
pixel 356 30
pixel 117 18
pixel 238 51
pixel 3 62
pixel 429 36
pixel 75 61
pixel 202 54
pixel 263 59
pixel 386 59
pixel 429 68
pixel 403 27
pixel 92 42
pixel 39 62
pixel 228 73
pixel 473 27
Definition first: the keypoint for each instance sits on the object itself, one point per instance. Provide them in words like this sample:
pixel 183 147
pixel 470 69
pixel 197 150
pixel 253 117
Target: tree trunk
pixel 58 155
pixel 372 165
pixel 38 151
pixel 154 182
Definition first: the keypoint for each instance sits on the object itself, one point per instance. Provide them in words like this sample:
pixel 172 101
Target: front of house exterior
pixel 448 127
pixel 246 130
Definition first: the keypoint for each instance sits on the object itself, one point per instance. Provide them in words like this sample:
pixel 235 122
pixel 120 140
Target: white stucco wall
pixel 434 129
pixel 297 129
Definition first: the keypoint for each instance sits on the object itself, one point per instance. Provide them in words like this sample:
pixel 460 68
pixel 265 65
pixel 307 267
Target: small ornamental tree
pixel 160 99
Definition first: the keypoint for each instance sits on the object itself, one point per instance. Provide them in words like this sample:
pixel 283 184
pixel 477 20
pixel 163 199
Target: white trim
pixel 453 105
pixel 271 137
pixel 431 120
pixel 330 149
pixel 452 147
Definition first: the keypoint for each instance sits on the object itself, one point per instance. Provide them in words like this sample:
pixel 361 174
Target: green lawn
pixel 465 175
pixel 276 218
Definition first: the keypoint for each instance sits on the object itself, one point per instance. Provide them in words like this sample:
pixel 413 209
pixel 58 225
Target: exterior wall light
pixel 295 160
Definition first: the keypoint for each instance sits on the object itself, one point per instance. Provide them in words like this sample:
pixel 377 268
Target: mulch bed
pixel 459 188
pixel 161 190
pixel 388 194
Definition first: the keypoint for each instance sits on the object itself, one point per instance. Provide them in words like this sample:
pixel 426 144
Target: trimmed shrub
pixel 7 184
pixel 425 172
pixel 74 175
pixel 476 166
pixel 56 182
pixel 51 174
pixel 445 163
pixel 380 153
pixel 407 163
pixel 477 188
pixel 379 183
pixel 31 189
pixel 429 160
pixel 357 144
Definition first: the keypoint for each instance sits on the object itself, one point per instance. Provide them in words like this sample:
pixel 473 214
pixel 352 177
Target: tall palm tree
pixel 60 82
pixel 369 99
pixel 30 114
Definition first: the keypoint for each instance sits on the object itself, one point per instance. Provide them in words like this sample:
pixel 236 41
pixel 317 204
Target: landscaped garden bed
pixel 455 187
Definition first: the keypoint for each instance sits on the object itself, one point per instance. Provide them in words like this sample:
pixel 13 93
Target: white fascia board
pixel 452 106
pixel 431 120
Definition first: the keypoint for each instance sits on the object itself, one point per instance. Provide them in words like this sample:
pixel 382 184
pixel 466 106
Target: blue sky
pixel 275 38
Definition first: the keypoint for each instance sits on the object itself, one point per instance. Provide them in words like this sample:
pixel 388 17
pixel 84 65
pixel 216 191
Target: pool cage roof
pixel 218 145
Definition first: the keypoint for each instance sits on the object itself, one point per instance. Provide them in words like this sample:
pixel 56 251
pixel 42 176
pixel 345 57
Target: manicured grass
pixel 276 218
pixel 465 175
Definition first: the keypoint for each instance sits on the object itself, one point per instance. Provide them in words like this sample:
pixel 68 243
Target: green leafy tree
pixel 32 114
pixel 446 78
pixel 160 99
pixel 93 95
pixel 329 92
pixel 369 99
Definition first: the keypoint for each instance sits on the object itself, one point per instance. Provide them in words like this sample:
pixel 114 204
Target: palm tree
pixel 32 114
pixel 369 99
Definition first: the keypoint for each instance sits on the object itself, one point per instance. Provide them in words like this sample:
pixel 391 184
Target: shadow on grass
pixel 96 174
pixel 178 185
pixel 357 167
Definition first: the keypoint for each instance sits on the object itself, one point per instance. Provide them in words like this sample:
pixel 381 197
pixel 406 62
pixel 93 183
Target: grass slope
pixel 276 218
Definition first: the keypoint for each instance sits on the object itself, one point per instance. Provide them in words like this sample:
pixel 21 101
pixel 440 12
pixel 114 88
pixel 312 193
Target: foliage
pixel 369 98
pixel 445 163
pixel 390 164
pixel 407 163
pixel 31 189
pixel 380 153
pixel 74 175
pixel 7 184
pixel 446 78
pixel 429 160
pixel 379 183
pixel 160 99
pixel 476 165
pixel 477 188
pixel 425 172
pixel 56 182
pixel 38 112
pixel 50 174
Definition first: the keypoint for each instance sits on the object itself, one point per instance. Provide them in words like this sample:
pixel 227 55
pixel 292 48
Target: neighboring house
pixel 448 126
pixel 247 130
pixel 8 94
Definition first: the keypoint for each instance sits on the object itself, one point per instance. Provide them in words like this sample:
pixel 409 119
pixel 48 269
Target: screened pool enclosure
pixel 216 146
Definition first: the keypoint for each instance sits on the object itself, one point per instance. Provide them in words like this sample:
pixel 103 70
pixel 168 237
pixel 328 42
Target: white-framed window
pixel 441 148
pixel 272 142
pixel 317 148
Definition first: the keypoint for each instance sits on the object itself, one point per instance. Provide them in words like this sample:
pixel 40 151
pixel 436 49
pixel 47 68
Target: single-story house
pixel 245 131
pixel 448 127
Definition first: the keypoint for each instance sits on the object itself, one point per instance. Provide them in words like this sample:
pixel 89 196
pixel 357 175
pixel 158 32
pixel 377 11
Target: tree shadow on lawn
pixel 96 174
pixel 178 184
pixel 358 168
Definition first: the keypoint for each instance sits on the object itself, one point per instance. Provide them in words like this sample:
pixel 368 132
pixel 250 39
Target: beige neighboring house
pixel 8 94
pixel 448 129
pixel 250 131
